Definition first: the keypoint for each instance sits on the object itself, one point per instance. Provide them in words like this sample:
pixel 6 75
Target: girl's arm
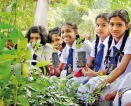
pixel 88 72
pixel 119 70
pixel 116 72
pixel 110 95
pixel 58 70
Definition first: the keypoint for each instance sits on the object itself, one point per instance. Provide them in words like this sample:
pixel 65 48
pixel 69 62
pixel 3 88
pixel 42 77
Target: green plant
pixel 79 42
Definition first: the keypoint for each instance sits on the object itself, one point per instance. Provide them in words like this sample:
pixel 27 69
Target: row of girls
pixel 111 49
pixel 115 85
pixel 64 39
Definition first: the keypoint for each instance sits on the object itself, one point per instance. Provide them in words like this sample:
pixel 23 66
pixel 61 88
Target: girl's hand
pixel 84 71
pixel 111 95
pixel 88 72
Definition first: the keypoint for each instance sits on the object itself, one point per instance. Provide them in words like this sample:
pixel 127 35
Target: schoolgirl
pixel 69 34
pixel 34 34
pixel 99 47
pixel 54 37
pixel 119 29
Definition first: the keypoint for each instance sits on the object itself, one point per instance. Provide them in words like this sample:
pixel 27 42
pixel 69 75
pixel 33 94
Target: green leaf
pixel 11 52
pixel 44 63
pixel 37 86
pixel 2 43
pixel 14 80
pixel 17 71
pixel 28 55
pixel 7 57
pixel 88 86
pixel 14 36
pixel 22 44
pixel 21 36
pixel 2 35
pixel 5 26
pixel 23 101
pixel 5 80
pixel 5 70
pixel 6 14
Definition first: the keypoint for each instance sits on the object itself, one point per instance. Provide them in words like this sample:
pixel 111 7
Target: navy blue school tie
pixel 113 61
pixel 34 58
pixel 98 58
pixel 69 64
pixel 114 58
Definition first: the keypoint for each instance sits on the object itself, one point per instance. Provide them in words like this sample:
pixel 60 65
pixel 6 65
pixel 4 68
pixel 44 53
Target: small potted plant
pixel 55 57
pixel 81 54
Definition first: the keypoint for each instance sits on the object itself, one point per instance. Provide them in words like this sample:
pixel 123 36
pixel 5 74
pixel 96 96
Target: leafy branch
pixel 79 42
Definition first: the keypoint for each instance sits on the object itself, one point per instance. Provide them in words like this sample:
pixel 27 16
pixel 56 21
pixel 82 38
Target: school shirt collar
pixel 73 45
pixel 118 45
pixel 100 41
pixel 106 41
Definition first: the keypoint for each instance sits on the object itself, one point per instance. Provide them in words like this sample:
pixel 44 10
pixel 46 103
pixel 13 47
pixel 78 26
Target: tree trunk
pixel 41 13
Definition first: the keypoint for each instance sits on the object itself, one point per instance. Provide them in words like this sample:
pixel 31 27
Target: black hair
pixel 96 44
pixel 123 14
pixel 55 30
pixel 108 50
pixel 74 27
pixel 105 17
pixel 37 29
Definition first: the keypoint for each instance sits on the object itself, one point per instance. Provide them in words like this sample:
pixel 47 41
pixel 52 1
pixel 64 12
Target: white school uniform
pixel 92 54
pixel 103 66
pixel 85 47
pixel 126 82
pixel 125 99
pixel 95 81
pixel 44 54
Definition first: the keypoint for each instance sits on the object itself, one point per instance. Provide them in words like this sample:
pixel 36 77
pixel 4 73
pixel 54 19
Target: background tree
pixel 41 13
pixel 82 12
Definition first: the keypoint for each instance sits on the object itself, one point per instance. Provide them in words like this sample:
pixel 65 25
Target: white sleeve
pixel 63 57
pixel 87 47
pixel 127 48
pixel 49 51
pixel 92 54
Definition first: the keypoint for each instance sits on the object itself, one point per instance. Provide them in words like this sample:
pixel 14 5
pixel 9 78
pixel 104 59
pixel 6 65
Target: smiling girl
pixel 69 34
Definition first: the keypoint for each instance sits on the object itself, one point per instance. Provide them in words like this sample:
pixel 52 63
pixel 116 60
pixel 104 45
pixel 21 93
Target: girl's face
pixel 57 41
pixel 102 28
pixel 68 34
pixel 34 37
pixel 117 27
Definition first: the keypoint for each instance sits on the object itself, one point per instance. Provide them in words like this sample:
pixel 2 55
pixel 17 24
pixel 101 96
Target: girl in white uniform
pixel 55 38
pixel 34 34
pixel 69 33
pixel 119 29
pixel 102 38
